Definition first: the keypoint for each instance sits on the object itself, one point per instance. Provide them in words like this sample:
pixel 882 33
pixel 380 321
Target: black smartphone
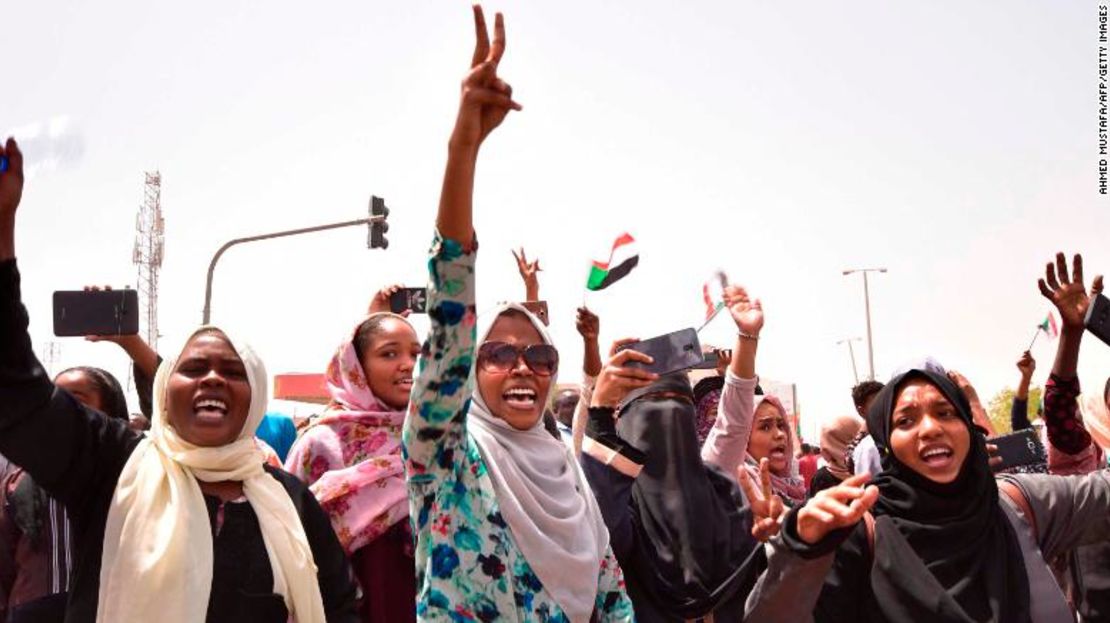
pixel 1098 318
pixel 96 312
pixel 672 352
pixel 415 299
pixel 1019 450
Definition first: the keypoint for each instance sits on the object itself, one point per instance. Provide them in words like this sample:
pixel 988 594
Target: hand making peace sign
pixel 486 98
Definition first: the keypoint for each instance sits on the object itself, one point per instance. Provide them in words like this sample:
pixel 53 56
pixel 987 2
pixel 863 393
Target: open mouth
pixel 405 383
pixel 210 409
pixel 937 456
pixel 777 453
pixel 520 398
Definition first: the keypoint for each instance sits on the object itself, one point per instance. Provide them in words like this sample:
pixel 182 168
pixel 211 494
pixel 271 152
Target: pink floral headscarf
pixel 789 485
pixel 351 455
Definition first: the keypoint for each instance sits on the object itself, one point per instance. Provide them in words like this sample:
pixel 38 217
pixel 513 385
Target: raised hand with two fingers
pixel 838 507
pixel 767 508
pixel 486 98
pixel 529 273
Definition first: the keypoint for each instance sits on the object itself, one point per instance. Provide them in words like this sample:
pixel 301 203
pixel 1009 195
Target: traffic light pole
pixel 279 234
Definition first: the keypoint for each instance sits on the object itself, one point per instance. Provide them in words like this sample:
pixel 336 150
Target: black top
pixel 680 529
pixel 77 455
pixel 822 480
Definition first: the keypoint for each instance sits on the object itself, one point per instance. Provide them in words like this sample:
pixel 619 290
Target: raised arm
pixel 589 327
pixel 1069 295
pixel 11 192
pixel 1019 409
pixel 67 448
pixel 436 422
pixel 727 442
pixel 144 364
pixel 485 101
pixel 529 274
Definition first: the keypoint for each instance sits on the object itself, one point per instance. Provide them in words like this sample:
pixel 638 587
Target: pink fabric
pixel 351 456
pixel 789 485
pixel 727 443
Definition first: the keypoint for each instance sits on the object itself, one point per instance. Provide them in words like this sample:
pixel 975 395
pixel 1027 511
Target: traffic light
pixel 378 228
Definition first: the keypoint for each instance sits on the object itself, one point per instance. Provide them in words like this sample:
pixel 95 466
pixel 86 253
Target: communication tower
pixel 149 248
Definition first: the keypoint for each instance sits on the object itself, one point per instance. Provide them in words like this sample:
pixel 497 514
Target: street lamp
pixel 867 307
pixel 379 213
pixel 851 354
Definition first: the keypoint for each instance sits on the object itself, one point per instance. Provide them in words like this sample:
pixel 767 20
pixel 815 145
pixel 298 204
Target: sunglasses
pixel 541 359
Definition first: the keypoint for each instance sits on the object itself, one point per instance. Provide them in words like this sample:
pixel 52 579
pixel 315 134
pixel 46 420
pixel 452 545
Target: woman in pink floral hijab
pixel 351 458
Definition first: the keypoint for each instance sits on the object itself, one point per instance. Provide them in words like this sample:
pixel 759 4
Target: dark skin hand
pixel 529 273
pixel 616 379
pixel 380 302
pixel 11 192
pixel 1071 299
pixel 1026 365
pixel 485 101
pixel 767 508
pixel 589 327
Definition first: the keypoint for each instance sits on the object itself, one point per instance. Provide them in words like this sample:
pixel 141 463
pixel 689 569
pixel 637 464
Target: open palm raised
pixel 746 312
pixel 1068 294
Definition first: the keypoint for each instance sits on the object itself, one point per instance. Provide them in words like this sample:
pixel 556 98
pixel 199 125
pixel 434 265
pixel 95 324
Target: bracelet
pixel 748 336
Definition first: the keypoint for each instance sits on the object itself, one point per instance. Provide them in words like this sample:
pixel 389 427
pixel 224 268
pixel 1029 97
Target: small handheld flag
pixel 622 259
pixel 1048 325
pixel 712 293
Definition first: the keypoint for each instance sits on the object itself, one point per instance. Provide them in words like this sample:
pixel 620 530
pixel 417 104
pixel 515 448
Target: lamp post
pixel 378 211
pixel 867 307
pixel 851 355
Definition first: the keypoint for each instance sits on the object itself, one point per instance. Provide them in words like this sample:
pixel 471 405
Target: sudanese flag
pixel 622 259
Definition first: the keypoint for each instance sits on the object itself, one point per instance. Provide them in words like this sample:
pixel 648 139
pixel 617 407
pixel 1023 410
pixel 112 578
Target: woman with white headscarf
pixel 506 527
pixel 184 524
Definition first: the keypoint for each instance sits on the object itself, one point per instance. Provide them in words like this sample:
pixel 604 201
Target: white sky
pixel 952 142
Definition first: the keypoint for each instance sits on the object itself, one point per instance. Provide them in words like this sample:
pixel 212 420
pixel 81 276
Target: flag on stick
pixel 1048 325
pixel 622 259
pixel 714 300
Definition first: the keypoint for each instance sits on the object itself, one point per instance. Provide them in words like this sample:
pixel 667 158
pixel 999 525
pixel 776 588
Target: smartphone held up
pixel 672 352
pixel 96 312
pixel 414 300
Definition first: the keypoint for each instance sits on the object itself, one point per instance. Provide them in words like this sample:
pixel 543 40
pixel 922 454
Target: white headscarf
pixel 543 495
pixel 157 563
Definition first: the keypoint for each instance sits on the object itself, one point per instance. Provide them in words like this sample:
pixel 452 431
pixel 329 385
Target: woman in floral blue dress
pixel 506 527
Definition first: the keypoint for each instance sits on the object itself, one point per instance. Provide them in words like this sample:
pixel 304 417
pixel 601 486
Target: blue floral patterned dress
pixel 468 567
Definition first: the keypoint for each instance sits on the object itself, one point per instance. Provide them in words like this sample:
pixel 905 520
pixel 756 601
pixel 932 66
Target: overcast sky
pixel 953 143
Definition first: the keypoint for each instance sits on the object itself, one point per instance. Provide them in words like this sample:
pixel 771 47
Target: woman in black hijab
pixel 949 542
pixel 680 527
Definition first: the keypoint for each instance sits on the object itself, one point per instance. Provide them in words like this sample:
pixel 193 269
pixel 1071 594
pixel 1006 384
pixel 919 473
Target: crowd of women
pixel 446 482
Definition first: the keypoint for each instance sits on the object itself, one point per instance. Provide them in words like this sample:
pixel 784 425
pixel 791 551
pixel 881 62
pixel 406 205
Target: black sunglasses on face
pixel 541 359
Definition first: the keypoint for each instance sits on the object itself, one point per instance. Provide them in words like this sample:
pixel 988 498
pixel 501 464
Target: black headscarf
pixel 943 552
pixel 112 399
pixel 697 550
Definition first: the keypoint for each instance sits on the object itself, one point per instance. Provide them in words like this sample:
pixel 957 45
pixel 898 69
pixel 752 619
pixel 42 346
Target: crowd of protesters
pixel 449 478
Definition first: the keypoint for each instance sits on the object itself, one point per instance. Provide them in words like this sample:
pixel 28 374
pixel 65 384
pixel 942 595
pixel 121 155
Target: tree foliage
pixel 999 408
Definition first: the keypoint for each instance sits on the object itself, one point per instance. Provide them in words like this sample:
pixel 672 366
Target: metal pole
pixel 280 234
pixel 852 355
pixel 867 306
